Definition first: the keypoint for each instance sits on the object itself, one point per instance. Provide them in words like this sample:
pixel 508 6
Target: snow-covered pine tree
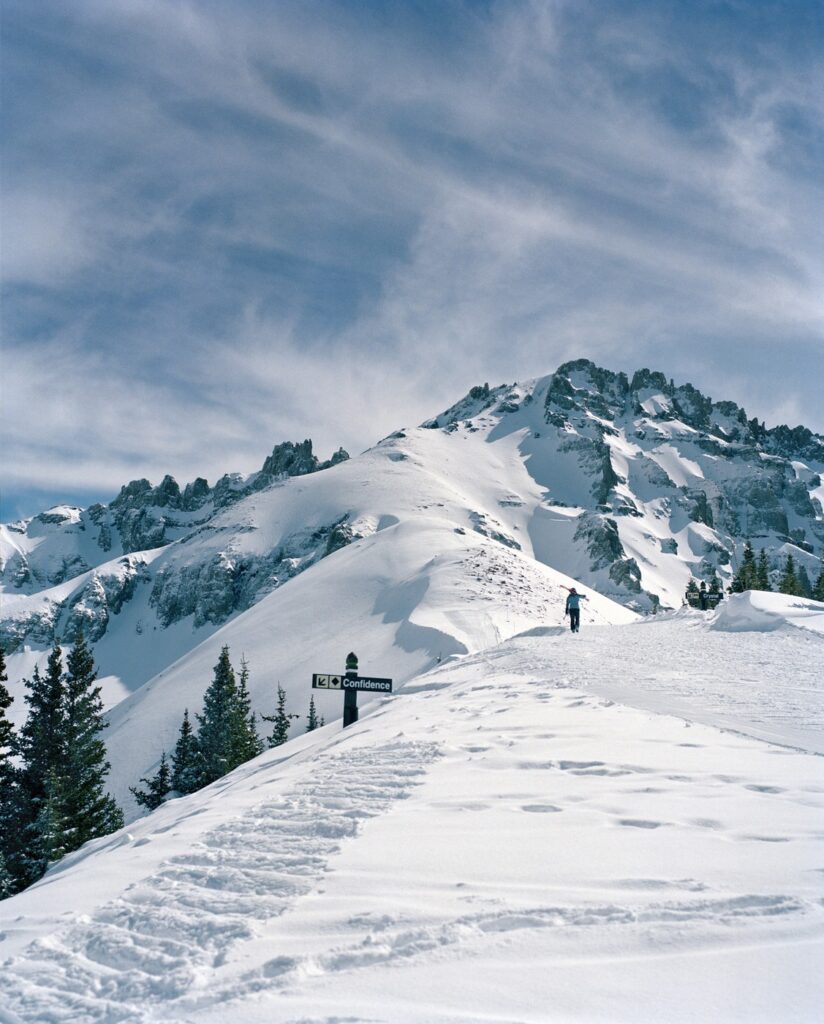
pixel 818 589
pixel 312 722
pixel 7 886
pixel 41 744
pixel 6 781
pixel 217 737
pixel 747 576
pixel 789 580
pixel 48 833
pixel 691 595
pixel 246 742
pixel 41 748
pixel 158 786
pixel 89 812
pixel 762 571
pixel 184 759
pixel 6 731
pixel 281 719
pixel 805 587
pixel 256 744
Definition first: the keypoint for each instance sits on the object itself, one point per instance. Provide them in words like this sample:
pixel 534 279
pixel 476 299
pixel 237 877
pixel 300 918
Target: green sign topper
pixel 350 683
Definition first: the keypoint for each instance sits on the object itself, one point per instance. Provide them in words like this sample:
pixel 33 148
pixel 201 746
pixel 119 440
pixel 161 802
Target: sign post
pixel 350 682
pixel 350 697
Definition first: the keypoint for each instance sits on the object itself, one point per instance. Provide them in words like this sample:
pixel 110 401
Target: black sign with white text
pixel 370 684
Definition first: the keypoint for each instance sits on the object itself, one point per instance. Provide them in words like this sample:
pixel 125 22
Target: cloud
pixel 230 226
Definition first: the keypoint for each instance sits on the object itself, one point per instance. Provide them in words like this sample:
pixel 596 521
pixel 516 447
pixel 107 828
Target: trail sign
pixel 369 684
pixel 350 683
pixel 326 681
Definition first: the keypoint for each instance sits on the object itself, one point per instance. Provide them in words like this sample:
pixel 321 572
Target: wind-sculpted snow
pixel 757 612
pixel 158 943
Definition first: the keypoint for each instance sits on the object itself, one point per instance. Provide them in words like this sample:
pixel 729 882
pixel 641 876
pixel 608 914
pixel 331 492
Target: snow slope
pixel 424 574
pixel 587 828
pixel 440 539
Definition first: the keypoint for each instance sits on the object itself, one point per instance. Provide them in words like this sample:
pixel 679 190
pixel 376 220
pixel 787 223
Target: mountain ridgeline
pixel 635 486
pixel 66 543
pixel 650 465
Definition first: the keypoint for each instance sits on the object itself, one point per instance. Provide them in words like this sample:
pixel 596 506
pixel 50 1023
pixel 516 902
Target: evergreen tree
pixel 184 759
pixel 246 743
pixel 312 717
pixel 762 572
pixel 158 786
pixel 281 719
pixel 789 581
pixel 6 780
pixel 5 725
pixel 89 812
pixel 217 737
pixel 805 588
pixel 41 749
pixel 818 589
pixel 47 835
pixel 747 576
pixel 691 595
pixel 41 744
pixel 256 744
pixel 7 886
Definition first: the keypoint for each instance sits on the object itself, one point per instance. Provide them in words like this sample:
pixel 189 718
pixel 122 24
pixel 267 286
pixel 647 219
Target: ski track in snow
pixel 169 934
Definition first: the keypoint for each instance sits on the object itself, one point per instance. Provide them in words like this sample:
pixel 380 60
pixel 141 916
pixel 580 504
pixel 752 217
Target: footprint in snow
pixel 639 823
pixel 566 766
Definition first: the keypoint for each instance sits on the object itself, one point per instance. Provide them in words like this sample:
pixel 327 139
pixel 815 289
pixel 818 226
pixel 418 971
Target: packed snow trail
pixel 763 684
pixel 171 932
pixel 558 855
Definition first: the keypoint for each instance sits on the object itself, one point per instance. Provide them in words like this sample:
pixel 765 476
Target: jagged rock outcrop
pixel 735 477
pixel 226 582
pixel 140 518
pixel 656 469
pixel 67 543
pixel 89 607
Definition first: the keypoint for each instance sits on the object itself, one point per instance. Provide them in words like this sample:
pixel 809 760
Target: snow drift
pixel 760 611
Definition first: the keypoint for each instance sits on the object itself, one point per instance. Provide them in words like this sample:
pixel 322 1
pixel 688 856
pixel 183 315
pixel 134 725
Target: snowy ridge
pixel 440 540
pixel 529 826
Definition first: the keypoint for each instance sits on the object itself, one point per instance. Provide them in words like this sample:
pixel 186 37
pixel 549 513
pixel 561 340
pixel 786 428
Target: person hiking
pixel 703 600
pixel 573 609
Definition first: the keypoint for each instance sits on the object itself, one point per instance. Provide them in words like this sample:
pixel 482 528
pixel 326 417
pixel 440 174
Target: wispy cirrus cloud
pixel 226 226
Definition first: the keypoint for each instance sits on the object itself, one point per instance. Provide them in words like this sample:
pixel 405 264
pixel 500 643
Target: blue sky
pixel 231 224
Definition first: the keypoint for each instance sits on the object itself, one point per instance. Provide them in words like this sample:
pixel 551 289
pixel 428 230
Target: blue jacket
pixel 573 601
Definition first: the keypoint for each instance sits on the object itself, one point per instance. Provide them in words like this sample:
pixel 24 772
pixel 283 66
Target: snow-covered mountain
pixel 440 540
pixel 621 826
